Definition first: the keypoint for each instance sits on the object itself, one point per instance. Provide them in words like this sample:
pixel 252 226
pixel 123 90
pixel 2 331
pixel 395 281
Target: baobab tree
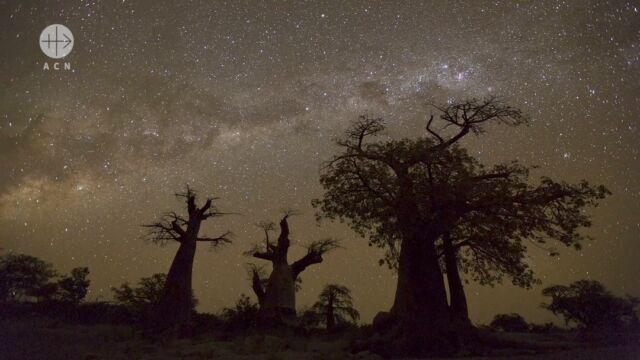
pixel 335 306
pixel 509 213
pixel 277 297
pixel 492 242
pixel 174 309
pixel 391 187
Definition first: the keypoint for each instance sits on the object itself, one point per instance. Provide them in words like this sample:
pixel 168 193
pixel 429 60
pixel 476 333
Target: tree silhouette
pixel 588 304
pixel 73 288
pixel 491 242
pixel 175 307
pixel 508 214
pixel 241 316
pixel 509 322
pixel 335 306
pixel 276 295
pixel 145 296
pixel 407 194
pixel 24 276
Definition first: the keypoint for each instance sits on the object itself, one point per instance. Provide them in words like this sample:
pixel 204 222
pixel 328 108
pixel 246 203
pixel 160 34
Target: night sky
pixel 242 99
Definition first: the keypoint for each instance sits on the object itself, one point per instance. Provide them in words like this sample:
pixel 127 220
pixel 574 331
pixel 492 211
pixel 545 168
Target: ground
pixel 36 338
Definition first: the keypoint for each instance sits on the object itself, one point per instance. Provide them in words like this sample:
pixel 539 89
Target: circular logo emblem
pixel 56 41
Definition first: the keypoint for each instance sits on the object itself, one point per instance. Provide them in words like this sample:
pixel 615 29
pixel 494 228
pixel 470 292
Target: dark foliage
pixel 73 288
pixel 589 305
pixel 509 323
pixel 406 194
pixel 89 313
pixel 242 316
pixel 546 328
pixel 334 308
pixel 24 277
pixel 148 294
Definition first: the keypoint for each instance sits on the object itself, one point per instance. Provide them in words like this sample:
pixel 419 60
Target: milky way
pixel 242 100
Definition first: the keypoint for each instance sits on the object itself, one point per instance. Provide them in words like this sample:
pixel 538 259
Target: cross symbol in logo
pixel 56 41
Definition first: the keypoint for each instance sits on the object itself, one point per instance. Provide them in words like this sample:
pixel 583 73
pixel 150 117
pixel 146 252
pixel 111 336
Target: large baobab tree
pixel 395 187
pixel 174 309
pixel 276 295
pixel 507 212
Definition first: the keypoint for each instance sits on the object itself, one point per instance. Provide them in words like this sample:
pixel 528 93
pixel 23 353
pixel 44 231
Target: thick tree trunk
pixel 256 285
pixel 280 295
pixel 174 310
pixel 420 312
pixel 458 301
pixel 331 319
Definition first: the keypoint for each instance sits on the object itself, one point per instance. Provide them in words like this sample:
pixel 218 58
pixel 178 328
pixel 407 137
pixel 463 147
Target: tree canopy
pixel 74 287
pixel 406 194
pixel 335 306
pixel 588 304
pixel 145 295
pixel 491 212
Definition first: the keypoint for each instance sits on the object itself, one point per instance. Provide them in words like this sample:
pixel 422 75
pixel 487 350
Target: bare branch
pixel 270 256
pixel 217 241
pixel 470 115
pixel 432 132
pixel 315 250
pixel 257 275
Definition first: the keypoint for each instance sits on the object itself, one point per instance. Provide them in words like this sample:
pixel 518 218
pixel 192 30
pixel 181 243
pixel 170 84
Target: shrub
pixel 509 322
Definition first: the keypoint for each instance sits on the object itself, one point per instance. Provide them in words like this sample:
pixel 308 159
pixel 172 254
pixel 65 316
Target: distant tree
pixel 145 296
pixel 23 277
pixel 588 304
pixel 277 298
pixel 335 306
pixel 510 323
pixel 174 309
pixel 73 288
pixel 545 328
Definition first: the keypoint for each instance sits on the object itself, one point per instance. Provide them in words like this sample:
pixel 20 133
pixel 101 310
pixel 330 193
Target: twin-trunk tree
pixel 276 295
pixel 508 213
pixel 427 197
pixel 174 309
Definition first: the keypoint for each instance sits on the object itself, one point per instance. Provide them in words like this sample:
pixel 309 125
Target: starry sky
pixel 242 99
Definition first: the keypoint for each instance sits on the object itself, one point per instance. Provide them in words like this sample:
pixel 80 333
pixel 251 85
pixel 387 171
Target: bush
pixel 85 313
pixel 509 323
pixel 242 316
pixel 147 294
pixel 545 328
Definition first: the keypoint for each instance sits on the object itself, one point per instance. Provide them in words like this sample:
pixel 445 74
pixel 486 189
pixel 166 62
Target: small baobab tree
pixel 335 306
pixel 175 306
pixel 276 294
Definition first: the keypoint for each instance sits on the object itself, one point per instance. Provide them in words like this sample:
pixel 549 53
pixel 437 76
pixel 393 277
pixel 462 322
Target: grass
pixel 41 338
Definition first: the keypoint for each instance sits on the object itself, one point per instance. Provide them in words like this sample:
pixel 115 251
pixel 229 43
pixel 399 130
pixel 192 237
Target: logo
pixel 56 41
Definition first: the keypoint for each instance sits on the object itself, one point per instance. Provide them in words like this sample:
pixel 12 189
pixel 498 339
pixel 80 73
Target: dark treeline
pixel 439 213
